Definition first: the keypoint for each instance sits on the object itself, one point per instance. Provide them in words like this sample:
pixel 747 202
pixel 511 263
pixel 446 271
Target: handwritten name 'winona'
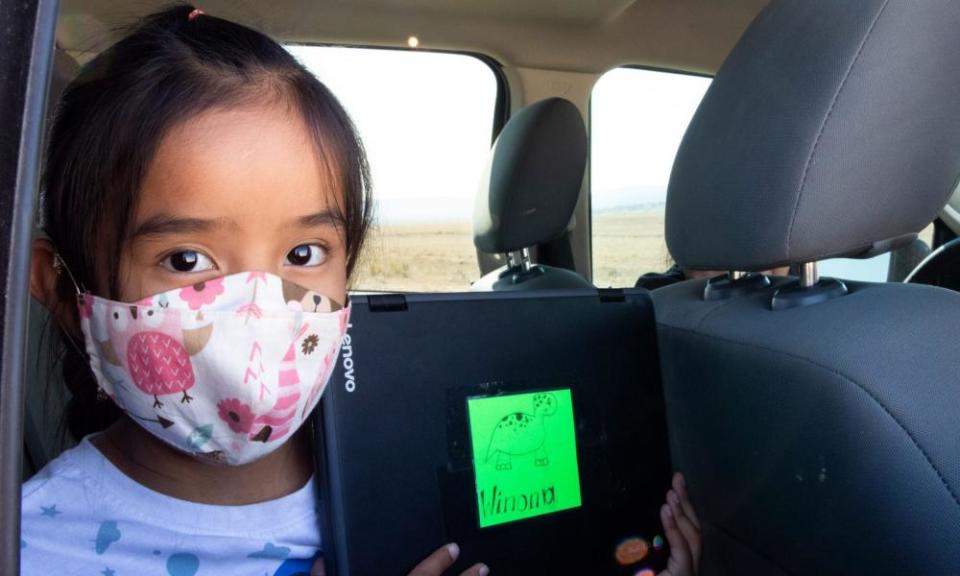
pixel 497 503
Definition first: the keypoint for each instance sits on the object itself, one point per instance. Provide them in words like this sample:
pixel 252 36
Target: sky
pixel 426 120
pixel 638 118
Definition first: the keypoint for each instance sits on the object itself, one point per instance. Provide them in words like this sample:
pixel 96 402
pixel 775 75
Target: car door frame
pixel 26 55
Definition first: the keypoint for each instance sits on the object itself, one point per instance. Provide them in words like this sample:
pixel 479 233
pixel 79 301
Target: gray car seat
pixel 528 194
pixel 818 423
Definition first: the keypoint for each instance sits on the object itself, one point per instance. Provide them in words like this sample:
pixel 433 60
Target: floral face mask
pixel 229 368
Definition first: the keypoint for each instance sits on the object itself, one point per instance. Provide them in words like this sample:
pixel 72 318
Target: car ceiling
pixel 572 35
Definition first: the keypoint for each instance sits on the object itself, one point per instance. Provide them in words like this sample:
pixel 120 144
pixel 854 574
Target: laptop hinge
pixel 388 303
pixel 611 295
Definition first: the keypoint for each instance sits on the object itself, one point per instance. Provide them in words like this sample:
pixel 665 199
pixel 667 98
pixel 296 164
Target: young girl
pixel 203 192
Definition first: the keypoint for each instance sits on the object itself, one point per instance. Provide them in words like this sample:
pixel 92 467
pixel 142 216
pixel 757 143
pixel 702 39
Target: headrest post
pixel 734 284
pixel 809 276
pixel 807 290
pixel 520 259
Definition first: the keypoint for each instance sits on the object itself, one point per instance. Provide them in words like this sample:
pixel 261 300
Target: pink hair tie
pixel 196 12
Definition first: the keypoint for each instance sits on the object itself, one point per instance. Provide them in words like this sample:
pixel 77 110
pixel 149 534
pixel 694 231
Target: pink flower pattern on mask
pixel 256 277
pixel 85 305
pixel 275 424
pixel 321 382
pixel 202 293
pixel 236 414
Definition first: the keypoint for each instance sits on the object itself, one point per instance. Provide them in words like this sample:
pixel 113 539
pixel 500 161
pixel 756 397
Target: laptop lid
pixel 528 427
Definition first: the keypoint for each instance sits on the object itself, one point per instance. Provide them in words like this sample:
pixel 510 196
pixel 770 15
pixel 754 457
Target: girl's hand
pixel 436 563
pixel 682 528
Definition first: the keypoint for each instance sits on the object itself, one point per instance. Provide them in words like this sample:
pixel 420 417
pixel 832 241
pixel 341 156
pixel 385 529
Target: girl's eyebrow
pixel 164 224
pixel 325 218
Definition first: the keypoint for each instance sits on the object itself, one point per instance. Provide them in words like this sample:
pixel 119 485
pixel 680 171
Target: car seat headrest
pixel 533 178
pixel 832 129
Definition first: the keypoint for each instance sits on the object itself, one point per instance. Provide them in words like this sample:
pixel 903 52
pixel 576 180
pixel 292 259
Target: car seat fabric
pixel 822 438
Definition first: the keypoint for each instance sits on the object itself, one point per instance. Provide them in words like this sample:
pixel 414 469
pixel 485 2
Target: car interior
pixel 814 414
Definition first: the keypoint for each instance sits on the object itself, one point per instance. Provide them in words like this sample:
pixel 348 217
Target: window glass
pixel 876 269
pixel 637 119
pixel 864 270
pixel 426 120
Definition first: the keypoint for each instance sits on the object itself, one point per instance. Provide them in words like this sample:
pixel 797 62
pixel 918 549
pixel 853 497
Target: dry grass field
pixel 441 256
pixel 418 258
pixel 627 244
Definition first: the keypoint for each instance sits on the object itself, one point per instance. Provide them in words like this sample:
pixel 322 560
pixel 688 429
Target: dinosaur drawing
pixel 522 433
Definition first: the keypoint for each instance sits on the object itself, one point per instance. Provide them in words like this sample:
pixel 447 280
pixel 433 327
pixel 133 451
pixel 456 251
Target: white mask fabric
pixel 228 368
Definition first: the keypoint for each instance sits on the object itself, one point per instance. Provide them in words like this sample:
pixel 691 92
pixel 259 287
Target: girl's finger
pixel 680 485
pixel 319 568
pixel 436 563
pixel 476 570
pixel 691 533
pixel 680 563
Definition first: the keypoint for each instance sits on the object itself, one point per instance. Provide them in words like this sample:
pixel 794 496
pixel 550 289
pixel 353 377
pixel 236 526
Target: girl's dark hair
pixel 110 121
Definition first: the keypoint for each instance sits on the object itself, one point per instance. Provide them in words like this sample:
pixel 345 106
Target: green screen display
pixel 524 455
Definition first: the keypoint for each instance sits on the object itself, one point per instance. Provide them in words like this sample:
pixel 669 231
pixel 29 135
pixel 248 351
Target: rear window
pixel 876 269
pixel 426 120
pixel 637 119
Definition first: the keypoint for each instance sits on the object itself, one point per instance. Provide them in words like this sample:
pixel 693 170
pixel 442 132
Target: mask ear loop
pixel 59 266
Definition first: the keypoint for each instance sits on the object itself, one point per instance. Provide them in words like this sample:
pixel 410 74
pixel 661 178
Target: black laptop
pixel 528 427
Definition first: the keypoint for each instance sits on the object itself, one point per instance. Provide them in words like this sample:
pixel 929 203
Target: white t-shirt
pixel 81 515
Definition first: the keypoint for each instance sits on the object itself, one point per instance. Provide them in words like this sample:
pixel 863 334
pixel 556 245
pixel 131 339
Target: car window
pixel 637 119
pixel 874 269
pixel 867 270
pixel 426 120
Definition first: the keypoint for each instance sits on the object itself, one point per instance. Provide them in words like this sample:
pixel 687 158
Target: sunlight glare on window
pixel 637 120
pixel 426 120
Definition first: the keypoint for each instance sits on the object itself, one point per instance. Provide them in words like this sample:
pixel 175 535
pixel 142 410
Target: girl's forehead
pixel 257 162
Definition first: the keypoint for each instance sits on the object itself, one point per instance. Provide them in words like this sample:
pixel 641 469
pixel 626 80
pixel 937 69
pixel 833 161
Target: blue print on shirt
pixel 271 551
pixel 107 535
pixel 297 566
pixel 183 564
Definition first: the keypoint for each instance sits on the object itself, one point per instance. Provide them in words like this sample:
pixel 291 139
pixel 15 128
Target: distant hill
pixel 640 207
pixel 391 209
pixel 630 198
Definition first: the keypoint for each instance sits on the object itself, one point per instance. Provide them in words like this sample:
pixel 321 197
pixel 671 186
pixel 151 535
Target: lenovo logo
pixel 346 352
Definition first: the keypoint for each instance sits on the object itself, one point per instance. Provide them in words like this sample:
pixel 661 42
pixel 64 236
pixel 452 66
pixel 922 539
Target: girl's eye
pixel 187 261
pixel 307 255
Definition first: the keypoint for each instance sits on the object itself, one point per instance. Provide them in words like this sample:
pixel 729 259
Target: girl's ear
pixel 43 274
pixel 44 281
